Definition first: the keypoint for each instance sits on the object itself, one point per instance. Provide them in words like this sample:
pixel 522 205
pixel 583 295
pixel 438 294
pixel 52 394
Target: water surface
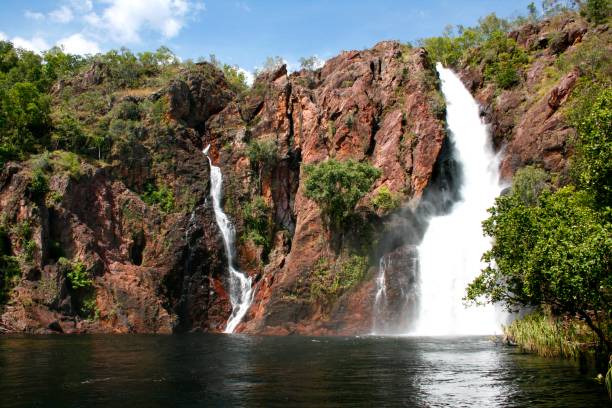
pixel 200 370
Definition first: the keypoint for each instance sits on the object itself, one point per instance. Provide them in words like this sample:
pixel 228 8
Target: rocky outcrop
pixel 151 271
pixel 527 122
pixel 380 105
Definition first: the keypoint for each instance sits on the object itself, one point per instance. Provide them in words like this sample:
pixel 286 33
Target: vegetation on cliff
pixel 337 187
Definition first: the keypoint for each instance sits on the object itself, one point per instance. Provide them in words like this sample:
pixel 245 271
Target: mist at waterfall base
pixel 443 236
pixel 241 291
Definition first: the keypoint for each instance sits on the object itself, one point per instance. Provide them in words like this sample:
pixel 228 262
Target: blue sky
pixel 241 33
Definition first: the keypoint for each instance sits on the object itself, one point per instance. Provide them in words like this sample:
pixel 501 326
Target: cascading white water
pixel 241 291
pixel 451 250
pixel 381 293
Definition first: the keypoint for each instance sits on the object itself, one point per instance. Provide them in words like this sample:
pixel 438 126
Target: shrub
pixel 9 267
pixel 257 222
pixel 89 307
pixel 310 63
pixel 331 279
pixel 263 155
pixel 504 59
pixel 596 11
pixel 127 110
pixel 77 274
pixel 337 187
pixel 68 162
pixel 161 196
pixel 385 200
pixel 235 79
pixel 39 185
pixel 528 183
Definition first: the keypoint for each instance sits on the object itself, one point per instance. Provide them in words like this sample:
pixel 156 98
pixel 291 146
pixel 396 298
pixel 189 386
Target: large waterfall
pixel 241 291
pixel 451 250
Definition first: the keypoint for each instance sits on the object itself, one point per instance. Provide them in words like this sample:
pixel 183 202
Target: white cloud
pixel 81 6
pixel 3 36
pixel 78 44
pixel 62 15
pixel 242 5
pixel 36 44
pixel 34 15
pixel 125 20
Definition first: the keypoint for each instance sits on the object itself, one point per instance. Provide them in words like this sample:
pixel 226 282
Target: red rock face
pixel 161 273
pixel 373 105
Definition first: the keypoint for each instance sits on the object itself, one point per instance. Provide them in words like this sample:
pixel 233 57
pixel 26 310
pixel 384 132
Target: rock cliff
pixel 138 228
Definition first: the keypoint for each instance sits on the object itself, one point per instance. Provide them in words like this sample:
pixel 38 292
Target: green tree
pixel 593 162
pixel 337 187
pixel 555 253
pixel 533 11
pixel 24 120
pixel 596 11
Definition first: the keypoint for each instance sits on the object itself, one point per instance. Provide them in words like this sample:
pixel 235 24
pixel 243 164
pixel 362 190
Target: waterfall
pixel 451 249
pixel 241 291
pixel 380 301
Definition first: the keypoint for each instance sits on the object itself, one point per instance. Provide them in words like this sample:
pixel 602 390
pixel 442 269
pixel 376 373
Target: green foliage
pixel 258 224
pixel 528 183
pixel 555 7
pixel 76 273
pixel 67 162
pixel 596 11
pixel 272 64
pixel 89 307
pixel 9 267
pixel 337 187
pixel 503 60
pixel 593 162
pixel 555 253
pixel 39 185
pixel 451 48
pixel 550 336
pixel 235 79
pixel 263 153
pixel 330 279
pixel 161 196
pixel 385 200
pixel 24 120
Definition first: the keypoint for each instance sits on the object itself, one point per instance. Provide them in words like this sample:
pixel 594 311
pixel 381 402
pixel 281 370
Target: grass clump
pixel 549 336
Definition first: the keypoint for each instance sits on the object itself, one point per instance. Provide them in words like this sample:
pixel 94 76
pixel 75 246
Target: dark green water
pixel 216 370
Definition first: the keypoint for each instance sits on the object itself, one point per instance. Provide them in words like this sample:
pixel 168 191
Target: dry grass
pixel 137 92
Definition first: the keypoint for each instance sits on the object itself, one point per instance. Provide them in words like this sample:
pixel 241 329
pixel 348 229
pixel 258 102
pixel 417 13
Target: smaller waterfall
pixel 241 291
pixel 380 301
